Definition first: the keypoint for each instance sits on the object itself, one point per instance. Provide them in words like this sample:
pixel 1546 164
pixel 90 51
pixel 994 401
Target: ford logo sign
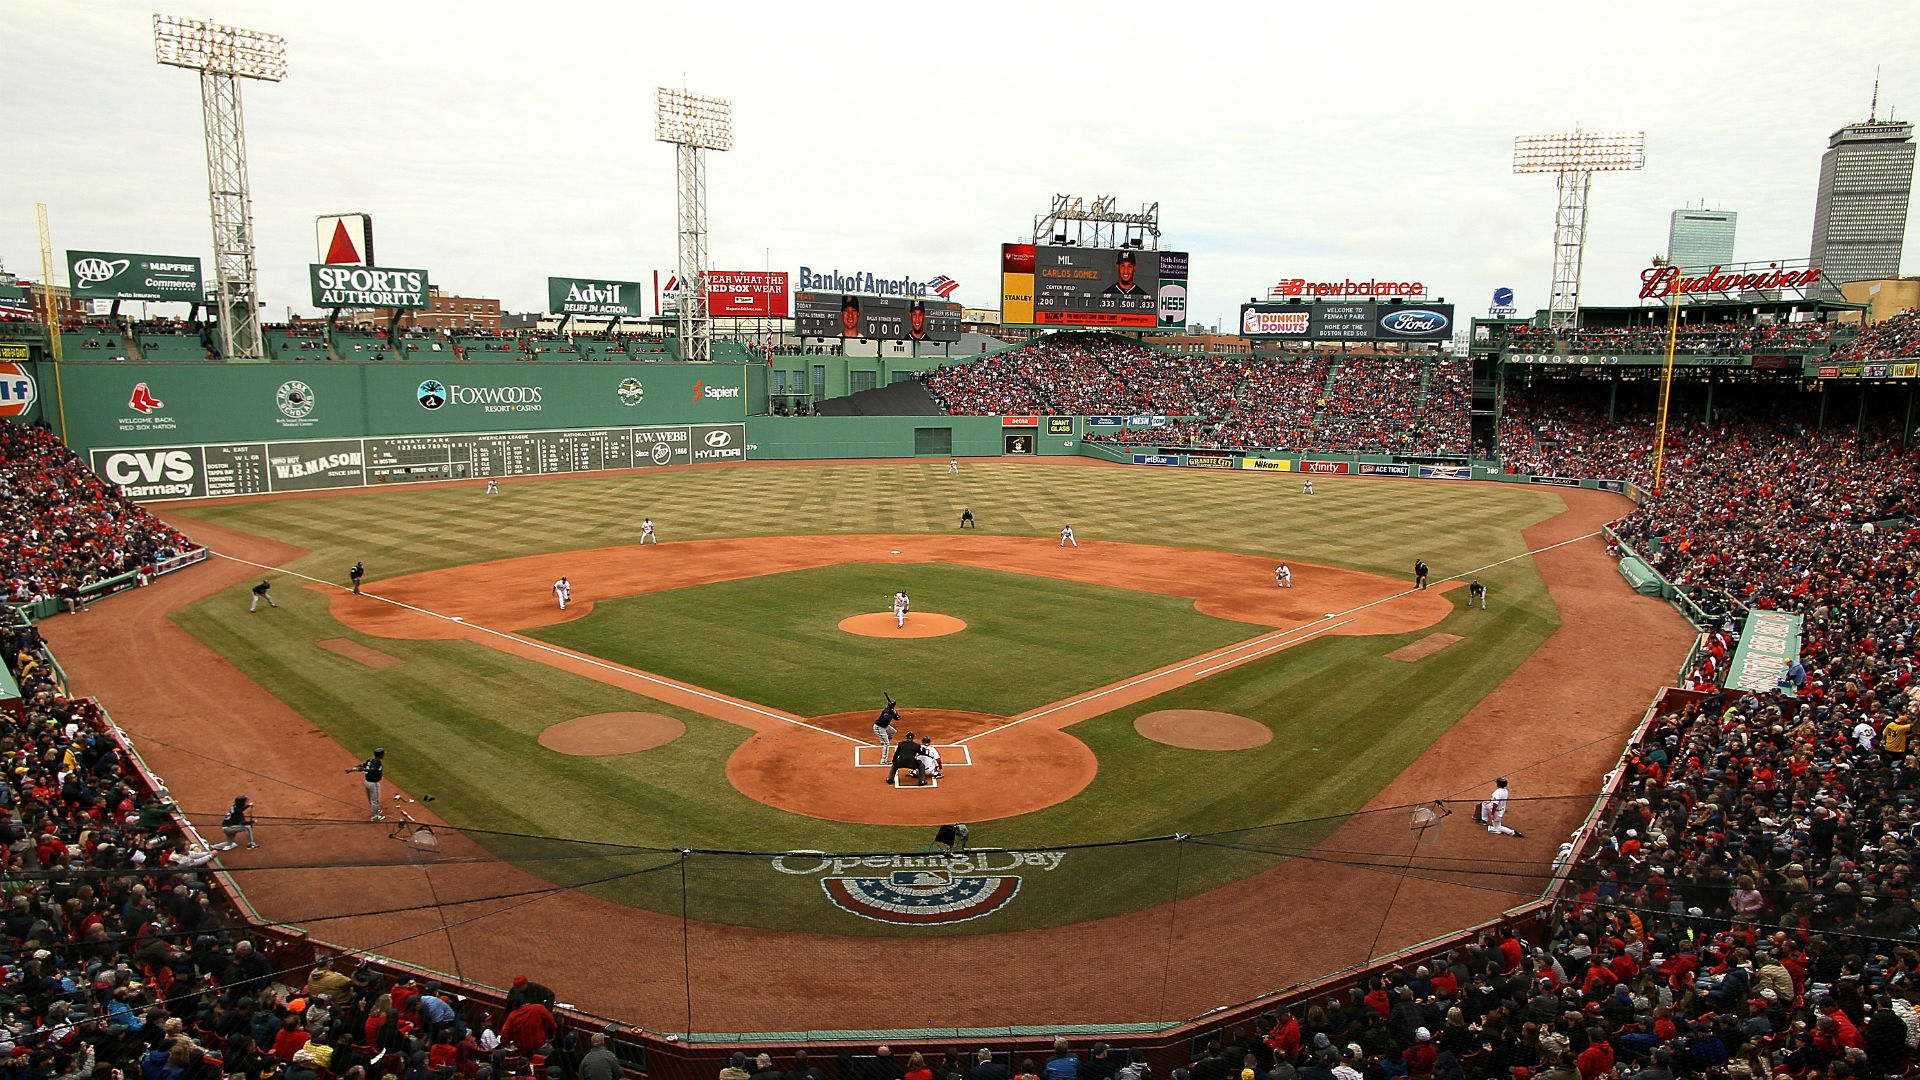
pixel 1414 322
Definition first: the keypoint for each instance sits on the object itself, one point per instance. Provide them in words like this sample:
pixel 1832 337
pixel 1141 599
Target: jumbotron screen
pixel 1116 288
pixel 876 318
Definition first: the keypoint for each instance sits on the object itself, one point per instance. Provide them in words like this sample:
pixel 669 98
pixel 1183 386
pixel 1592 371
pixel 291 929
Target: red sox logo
pixel 143 401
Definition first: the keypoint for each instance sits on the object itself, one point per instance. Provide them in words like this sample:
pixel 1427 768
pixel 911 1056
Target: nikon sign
pixel 592 296
pixel 119 275
pixel 367 286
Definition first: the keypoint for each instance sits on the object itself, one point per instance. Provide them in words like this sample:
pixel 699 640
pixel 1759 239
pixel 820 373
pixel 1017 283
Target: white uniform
pixel 1066 537
pixel 646 531
pixel 953 466
pixel 929 762
pixel 1283 577
pixel 1496 811
pixel 563 591
pixel 493 487
pixel 900 609
pixel 1306 488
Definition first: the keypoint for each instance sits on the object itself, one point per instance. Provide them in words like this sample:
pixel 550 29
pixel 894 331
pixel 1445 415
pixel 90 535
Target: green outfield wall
pixel 801 437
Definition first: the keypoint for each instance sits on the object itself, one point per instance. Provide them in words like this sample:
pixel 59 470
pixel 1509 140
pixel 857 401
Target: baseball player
pixel 374 767
pixel 1419 573
pixel 493 487
pixel 966 519
pixel 563 591
pixel 1495 809
pixel 928 764
pixel 905 756
pixel 900 609
pixel 239 820
pixel 646 531
pixel 1283 576
pixel 1307 488
pixel 1476 591
pixel 259 594
pixel 883 728
pixel 1066 536
pixel 358 571
pixel 953 466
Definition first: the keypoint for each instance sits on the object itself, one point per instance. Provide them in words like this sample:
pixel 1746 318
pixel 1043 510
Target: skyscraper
pixel 1860 214
pixel 1701 239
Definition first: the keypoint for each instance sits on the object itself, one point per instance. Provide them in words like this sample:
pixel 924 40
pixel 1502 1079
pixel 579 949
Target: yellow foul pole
pixel 1666 385
pixel 52 304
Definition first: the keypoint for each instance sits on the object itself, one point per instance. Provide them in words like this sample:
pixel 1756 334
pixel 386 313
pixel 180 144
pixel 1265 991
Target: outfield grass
pixel 1029 641
pixel 461 721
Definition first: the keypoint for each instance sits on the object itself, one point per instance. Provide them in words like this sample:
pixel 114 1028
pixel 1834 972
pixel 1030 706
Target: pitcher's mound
pixel 919 624
pixel 1200 729
pixel 607 733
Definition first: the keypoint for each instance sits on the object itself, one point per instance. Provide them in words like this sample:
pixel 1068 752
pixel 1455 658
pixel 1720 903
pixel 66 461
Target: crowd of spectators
pixel 1694 339
pixel 1895 338
pixel 63 528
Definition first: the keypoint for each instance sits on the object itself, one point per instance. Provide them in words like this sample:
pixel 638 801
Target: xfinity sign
pixel 593 297
pixel 862 282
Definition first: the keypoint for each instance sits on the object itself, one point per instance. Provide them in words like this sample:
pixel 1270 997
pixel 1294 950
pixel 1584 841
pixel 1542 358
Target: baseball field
pixel 714 693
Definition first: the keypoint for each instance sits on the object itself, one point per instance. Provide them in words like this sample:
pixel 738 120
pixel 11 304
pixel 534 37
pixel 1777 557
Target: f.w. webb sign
pixel 367 286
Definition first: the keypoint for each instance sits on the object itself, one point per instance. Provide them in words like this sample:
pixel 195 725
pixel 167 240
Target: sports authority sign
pixel 747 294
pixel 344 239
pixel 593 296
pixel 920 890
pixel 1662 281
pixel 119 275
pixel 367 286
pixel 1290 287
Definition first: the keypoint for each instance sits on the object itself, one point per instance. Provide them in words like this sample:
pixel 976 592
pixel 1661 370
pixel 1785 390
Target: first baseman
pixel 900 609
pixel 563 591
pixel 374 767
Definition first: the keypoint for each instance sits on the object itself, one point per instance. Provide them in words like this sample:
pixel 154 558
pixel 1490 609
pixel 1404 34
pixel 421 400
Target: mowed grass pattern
pixel 1029 641
pixel 461 721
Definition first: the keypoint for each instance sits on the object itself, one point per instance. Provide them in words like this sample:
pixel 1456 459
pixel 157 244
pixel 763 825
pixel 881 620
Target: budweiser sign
pixel 1659 281
pixel 1348 287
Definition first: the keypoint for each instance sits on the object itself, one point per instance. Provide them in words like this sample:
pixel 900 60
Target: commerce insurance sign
pixel 121 275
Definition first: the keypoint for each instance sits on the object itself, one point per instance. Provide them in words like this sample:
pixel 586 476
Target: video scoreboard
pixel 1110 288
pixel 876 318
pixel 1348 322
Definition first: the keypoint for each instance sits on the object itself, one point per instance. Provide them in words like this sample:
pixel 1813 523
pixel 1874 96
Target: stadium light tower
pixel 1574 157
pixel 223 55
pixel 693 124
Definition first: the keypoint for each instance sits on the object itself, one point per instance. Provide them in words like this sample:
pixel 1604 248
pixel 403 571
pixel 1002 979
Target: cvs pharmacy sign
pixel 158 473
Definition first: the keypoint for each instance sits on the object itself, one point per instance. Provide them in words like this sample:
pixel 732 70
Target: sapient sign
pixel 367 286
pixel 593 296
pixel 119 275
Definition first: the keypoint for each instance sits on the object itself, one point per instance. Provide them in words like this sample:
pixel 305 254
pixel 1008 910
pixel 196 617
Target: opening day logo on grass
pixel 920 890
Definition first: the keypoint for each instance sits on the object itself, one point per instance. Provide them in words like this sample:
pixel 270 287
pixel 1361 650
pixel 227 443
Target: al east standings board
pixel 1120 288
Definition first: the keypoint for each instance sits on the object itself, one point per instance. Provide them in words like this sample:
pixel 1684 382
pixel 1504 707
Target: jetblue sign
pixel 1432 322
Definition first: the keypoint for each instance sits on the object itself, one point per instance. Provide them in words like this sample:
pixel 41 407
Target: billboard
pixel 593 296
pixel 876 318
pixel 119 275
pixel 1119 288
pixel 1348 322
pixel 366 286
pixel 747 294
pixel 344 239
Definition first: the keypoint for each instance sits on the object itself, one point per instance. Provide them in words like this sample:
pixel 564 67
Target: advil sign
pixel 593 296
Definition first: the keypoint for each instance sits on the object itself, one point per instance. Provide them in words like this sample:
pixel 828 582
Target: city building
pixel 444 311
pixel 1884 297
pixel 1860 213
pixel 1702 239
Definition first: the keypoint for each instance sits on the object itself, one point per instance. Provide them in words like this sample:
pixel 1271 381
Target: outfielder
pixel 493 487
pixel 563 591
pixel 884 730
pixel 899 609
pixel 1283 576
pixel 1307 488
pixel 374 767
pixel 1476 591
pixel 1066 537
pixel 1495 810
pixel 953 466
pixel 646 531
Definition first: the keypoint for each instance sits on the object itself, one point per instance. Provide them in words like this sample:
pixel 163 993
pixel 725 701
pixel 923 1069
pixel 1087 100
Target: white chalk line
pixel 1272 639
pixel 557 651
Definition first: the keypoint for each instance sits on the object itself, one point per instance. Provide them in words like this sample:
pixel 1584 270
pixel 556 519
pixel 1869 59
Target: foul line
pixel 1272 642
pixel 557 651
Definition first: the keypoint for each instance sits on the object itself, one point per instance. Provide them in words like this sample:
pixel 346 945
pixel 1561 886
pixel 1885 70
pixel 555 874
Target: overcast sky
pixel 498 143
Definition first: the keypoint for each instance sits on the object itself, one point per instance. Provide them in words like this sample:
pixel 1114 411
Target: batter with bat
pixel 883 728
